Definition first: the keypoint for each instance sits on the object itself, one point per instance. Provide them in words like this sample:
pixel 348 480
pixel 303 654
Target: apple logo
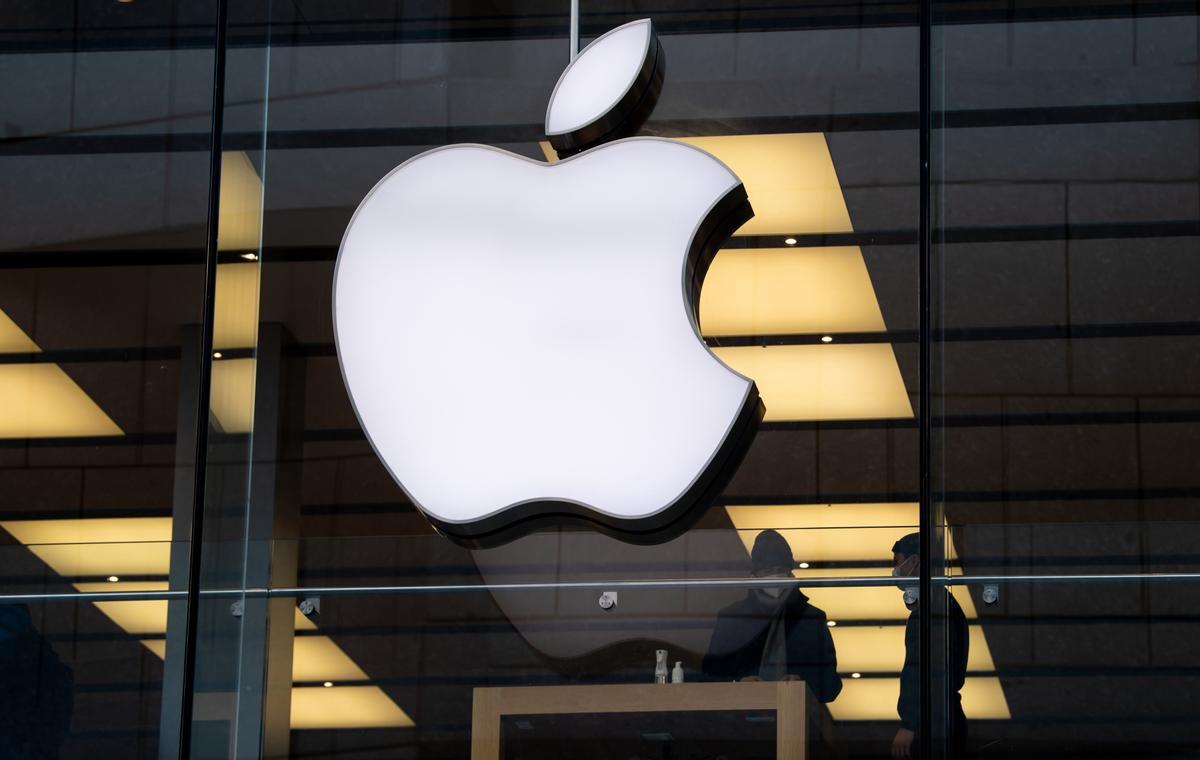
pixel 519 340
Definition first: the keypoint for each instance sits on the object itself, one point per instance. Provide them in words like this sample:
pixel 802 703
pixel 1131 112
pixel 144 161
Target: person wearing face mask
pixel 906 560
pixel 774 634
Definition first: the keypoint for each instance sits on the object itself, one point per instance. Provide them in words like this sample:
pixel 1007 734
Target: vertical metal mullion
pixel 204 385
pixel 925 395
pixel 574 31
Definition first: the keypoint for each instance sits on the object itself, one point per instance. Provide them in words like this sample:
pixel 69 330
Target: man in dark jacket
pixel 774 634
pixel 906 559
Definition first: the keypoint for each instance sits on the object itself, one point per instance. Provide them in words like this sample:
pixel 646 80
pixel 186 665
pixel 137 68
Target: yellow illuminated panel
pixel 158 646
pixel 13 339
pixel 317 658
pixel 232 400
pixel 235 319
pixel 238 222
pixel 95 530
pixel 773 291
pixel 880 649
pixel 789 179
pixel 41 401
pixel 875 699
pixel 99 546
pixel 823 382
pixel 345 707
pixel 136 615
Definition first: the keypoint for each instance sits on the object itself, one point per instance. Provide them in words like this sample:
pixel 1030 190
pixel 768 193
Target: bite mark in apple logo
pixel 520 340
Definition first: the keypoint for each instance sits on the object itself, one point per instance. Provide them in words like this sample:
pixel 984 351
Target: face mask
pixel 911 593
pixel 772 593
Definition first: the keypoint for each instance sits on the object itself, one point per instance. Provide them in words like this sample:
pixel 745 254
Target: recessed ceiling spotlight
pixel 113 579
pixel 856 675
pixel 826 338
pixel 327 684
pixel 831 623
pixel 217 354
pixel 803 565
pixel 789 241
pixel 250 256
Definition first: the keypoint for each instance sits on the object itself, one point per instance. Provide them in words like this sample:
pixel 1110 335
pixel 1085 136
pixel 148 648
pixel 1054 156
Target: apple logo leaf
pixel 608 91
pixel 520 340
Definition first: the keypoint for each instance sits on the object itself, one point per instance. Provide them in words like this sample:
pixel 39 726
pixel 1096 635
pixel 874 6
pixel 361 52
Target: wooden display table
pixel 797 711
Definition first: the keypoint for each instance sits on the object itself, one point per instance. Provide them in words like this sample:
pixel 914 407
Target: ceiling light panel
pixel 317 658
pixel 789 178
pixel 232 394
pixel 13 339
pixel 235 319
pixel 823 382
pixel 778 291
pixel 875 699
pixel 239 220
pixel 880 649
pixel 315 707
pixel 41 401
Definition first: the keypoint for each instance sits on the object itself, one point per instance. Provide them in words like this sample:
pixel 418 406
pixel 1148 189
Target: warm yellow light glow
pixel 13 339
pixel 824 382
pixel 232 400
pixel 94 530
pixel 345 707
pixel 773 291
pixel 138 616
pixel 235 322
pixel 843 533
pixel 238 223
pixel 880 649
pixel 901 515
pixel 875 699
pixel 158 646
pixel 92 587
pixel 789 178
pixel 98 547
pixel 317 658
pixel 41 401
pixel 830 532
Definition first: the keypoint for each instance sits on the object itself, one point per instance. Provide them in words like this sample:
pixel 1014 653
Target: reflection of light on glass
pixel 140 546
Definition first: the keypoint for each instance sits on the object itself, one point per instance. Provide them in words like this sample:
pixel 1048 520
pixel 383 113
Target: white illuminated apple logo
pixel 519 339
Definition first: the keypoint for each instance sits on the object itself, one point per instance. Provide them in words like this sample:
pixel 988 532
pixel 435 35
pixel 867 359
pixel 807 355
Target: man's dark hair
pixel 908 546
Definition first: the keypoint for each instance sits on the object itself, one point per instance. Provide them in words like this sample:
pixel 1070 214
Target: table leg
pixel 485 725
pixel 791 723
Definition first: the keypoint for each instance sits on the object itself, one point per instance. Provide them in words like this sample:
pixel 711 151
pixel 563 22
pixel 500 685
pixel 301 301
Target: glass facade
pixel 966 298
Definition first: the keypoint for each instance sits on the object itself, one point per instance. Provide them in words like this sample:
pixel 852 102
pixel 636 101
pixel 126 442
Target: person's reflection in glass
pixel 774 634
pixel 38 693
pixel 906 559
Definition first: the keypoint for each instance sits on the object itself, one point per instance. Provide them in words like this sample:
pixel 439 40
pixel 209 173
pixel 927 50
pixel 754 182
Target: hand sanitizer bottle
pixel 677 672
pixel 660 666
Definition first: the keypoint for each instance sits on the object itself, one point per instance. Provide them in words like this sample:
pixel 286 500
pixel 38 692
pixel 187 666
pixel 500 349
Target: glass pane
pixel 336 619
pixel 104 174
pixel 1065 195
